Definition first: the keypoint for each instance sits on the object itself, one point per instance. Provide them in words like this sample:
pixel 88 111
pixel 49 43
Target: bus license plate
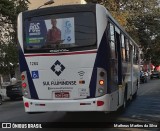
pixel 62 95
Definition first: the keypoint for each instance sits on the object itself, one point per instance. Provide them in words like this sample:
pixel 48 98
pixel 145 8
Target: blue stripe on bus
pixel 101 62
pixel 24 67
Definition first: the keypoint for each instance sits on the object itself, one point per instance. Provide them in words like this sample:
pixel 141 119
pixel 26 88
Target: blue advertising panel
pixel 35 33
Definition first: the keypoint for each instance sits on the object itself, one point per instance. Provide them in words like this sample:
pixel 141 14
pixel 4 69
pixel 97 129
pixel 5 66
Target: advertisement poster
pixel 35 33
pixel 50 31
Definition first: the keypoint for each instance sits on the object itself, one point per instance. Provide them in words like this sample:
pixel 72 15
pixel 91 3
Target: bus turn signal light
pixel 101 82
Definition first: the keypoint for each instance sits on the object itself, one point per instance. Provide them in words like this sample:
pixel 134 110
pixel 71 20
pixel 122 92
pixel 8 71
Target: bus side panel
pixel 101 58
pixel 22 60
pixel 24 67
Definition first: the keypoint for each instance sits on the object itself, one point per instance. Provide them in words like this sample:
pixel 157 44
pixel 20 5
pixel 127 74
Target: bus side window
pixel 112 41
pixel 135 60
pixel 126 50
pixel 122 48
pixel 130 50
pixel 134 54
pixel 137 55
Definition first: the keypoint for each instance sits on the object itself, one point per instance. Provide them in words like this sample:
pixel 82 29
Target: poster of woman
pixel 53 34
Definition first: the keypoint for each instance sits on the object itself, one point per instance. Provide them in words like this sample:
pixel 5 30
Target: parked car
pixel 14 91
pixel 155 74
pixel 0 99
pixel 143 77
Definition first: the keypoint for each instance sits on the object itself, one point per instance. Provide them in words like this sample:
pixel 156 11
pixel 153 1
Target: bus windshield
pixel 61 31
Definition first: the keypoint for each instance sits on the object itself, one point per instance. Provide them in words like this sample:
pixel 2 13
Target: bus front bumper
pixel 93 104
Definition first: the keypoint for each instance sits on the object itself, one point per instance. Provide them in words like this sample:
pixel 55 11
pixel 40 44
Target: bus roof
pixel 59 9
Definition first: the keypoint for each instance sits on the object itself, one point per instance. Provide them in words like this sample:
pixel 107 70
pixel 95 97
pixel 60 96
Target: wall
pixel 36 3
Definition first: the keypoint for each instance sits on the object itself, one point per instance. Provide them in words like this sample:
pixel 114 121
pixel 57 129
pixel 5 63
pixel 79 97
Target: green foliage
pixel 138 17
pixel 115 7
pixel 8 57
pixel 9 10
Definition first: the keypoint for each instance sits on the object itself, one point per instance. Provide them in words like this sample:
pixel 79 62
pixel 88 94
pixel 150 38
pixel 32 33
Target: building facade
pixel 36 3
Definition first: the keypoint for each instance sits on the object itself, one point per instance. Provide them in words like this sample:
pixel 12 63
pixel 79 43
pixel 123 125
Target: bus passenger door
pixel 118 48
pixel 118 43
pixel 113 68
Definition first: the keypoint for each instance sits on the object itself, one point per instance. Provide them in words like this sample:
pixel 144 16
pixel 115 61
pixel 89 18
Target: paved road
pixel 145 108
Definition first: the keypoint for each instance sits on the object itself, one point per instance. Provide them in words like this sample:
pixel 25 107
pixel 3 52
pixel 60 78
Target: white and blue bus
pixel 76 58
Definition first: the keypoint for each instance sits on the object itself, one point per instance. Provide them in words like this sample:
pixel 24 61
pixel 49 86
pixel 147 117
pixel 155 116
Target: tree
pixel 138 17
pixel 115 7
pixel 9 10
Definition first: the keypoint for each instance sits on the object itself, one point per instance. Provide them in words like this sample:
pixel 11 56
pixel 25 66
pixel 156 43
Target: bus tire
pixel 135 94
pixel 125 100
pixel 12 98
